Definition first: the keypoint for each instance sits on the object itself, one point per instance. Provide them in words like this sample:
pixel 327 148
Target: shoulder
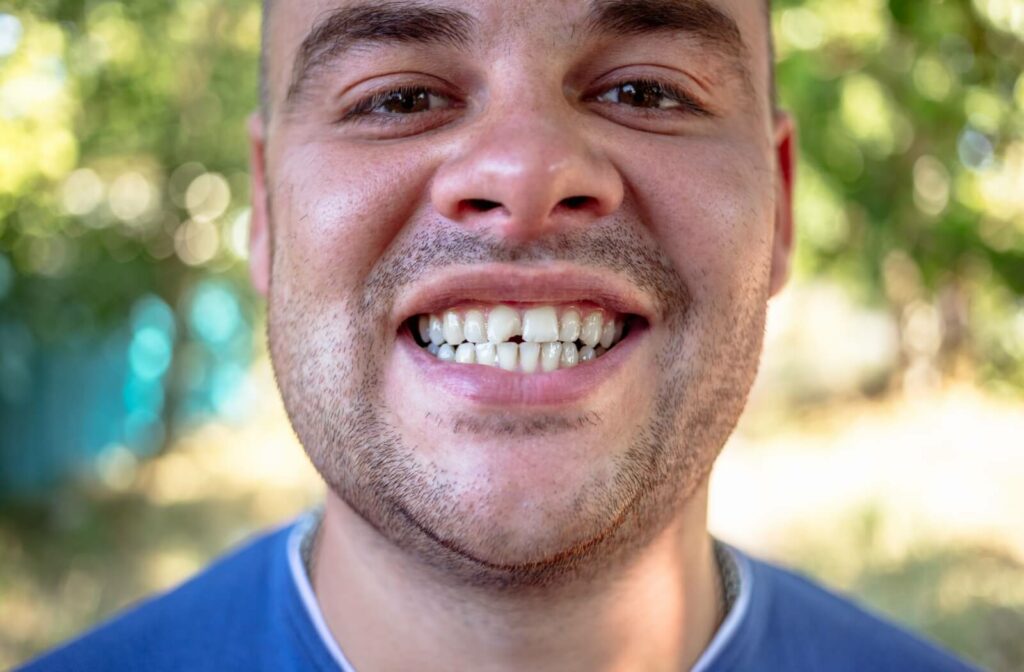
pixel 803 626
pixel 199 625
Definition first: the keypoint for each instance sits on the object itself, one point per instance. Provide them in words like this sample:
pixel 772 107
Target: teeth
pixel 550 354
pixel 529 355
pixel 453 328
pixel 487 354
pixel 542 338
pixel 435 330
pixel 502 324
pixel 465 354
pixel 570 356
pixel 423 326
pixel 590 333
pixel 540 325
pixel 608 334
pixel 569 326
pixel 508 356
pixel 474 329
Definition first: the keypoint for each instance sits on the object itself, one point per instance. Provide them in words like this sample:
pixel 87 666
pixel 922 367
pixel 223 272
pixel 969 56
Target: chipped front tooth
pixel 436 330
pixel 446 353
pixel 453 328
pixel 590 332
pixel 486 354
pixel 465 354
pixel 475 328
pixel 529 355
pixel 587 353
pixel 550 354
pixel 570 357
pixel 608 334
pixel 540 325
pixel 423 327
pixel 502 324
pixel 569 327
pixel 508 356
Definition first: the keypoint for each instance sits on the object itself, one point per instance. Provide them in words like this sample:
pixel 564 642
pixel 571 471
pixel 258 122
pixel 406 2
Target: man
pixel 517 256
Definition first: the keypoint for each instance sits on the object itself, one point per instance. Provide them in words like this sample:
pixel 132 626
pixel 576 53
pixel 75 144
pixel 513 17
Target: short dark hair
pixel 264 47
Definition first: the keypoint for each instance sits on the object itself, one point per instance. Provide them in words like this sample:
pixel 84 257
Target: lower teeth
pixel 521 357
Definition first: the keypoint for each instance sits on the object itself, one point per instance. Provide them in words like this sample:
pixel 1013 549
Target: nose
pixel 522 178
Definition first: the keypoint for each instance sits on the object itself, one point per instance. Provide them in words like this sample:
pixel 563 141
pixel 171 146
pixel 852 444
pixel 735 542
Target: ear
pixel 785 157
pixel 259 226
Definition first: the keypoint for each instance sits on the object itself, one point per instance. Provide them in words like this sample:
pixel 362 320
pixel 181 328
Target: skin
pixel 466 535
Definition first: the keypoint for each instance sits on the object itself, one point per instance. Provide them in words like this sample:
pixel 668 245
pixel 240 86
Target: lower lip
pixel 488 385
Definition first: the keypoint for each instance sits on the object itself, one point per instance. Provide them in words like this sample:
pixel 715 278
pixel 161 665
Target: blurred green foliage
pixel 911 116
pixel 123 160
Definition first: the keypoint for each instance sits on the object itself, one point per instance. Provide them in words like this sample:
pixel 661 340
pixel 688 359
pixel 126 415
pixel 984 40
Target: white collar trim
pixel 305 589
pixel 725 634
pixel 727 631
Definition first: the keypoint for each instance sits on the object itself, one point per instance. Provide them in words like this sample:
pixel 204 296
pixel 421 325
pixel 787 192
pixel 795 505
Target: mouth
pixel 528 339
pixel 504 334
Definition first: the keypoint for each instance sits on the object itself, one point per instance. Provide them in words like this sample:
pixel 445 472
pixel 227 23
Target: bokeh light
pixel 131 351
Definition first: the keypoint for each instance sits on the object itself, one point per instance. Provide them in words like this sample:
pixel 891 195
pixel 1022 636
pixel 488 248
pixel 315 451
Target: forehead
pixel 482 26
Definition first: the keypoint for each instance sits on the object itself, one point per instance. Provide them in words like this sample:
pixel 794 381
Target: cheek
pixel 710 207
pixel 337 211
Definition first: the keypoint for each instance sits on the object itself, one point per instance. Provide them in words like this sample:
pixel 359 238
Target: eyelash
pixel 363 111
pixel 687 103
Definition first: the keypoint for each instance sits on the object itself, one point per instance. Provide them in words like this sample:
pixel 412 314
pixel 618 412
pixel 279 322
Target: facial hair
pixel 331 379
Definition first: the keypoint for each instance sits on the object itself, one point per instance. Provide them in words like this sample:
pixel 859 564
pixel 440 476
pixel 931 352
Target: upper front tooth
pixel 436 330
pixel 540 325
pixel 453 328
pixel 474 328
pixel 502 324
pixel 570 326
pixel 590 333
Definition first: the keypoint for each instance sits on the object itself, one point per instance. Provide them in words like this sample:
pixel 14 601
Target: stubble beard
pixel 330 377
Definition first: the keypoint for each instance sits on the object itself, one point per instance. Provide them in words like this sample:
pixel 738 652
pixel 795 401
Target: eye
pixel 652 95
pixel 399 102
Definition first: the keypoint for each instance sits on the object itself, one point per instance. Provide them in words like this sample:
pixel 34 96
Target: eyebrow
pixel 712 26
pixel 410 22
pixel 397 21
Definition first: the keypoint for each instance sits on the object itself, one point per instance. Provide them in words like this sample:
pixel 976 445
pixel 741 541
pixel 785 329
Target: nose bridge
pixel 524 171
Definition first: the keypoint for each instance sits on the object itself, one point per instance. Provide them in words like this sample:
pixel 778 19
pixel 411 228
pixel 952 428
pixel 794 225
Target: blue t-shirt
pixel 255 610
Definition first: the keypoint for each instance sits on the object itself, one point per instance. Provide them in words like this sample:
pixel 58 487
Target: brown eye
pixel 641 95
pixel 400 102
pixel 406 102
pixel 648 95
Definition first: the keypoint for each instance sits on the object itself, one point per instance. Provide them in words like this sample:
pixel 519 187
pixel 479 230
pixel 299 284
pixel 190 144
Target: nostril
pixel 481 204
pixel 575 202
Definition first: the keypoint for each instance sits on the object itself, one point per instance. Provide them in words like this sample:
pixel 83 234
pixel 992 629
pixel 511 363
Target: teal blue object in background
pixel 64 407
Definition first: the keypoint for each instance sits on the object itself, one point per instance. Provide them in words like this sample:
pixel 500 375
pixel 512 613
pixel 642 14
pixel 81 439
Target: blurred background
pixel 141 433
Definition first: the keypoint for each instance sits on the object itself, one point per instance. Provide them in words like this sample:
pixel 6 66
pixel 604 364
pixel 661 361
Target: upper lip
pixel 515 283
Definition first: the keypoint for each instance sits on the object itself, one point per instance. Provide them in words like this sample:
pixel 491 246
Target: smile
pixel 533 340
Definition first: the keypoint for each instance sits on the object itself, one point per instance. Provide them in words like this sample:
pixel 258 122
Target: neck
pixel 386 611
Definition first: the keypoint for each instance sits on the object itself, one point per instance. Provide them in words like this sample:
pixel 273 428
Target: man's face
pixel 511 161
